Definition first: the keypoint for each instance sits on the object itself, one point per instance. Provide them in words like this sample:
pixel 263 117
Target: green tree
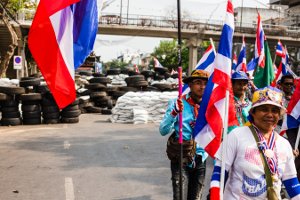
pixel 167 54
pixel 115 63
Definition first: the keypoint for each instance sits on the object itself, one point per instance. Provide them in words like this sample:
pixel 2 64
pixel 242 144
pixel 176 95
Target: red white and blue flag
pixel 282 69
pixel 157 63
pixel 61 36
pixel 292 119
pixel 259 43
pixel 205 63
pixel 280 50
pixel 242 63
pixel 208 130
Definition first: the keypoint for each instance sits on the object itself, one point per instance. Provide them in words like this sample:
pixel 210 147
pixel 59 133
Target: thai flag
pixel 259 43
pixel 280 49
pixel 61 36
pixel 282 69
pixel 234 62
pixel 157 63
pixel 242 63
pixel 292 119
pixel 205 63
pixel 251 66
pixel 208 129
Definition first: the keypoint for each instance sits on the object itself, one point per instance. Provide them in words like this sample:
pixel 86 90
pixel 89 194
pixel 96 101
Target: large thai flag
pixel 242 63
pixel 292 119
pixel 280 49
pixel 259 43
pixel 209 124
pixel 205 63
pixel 61 36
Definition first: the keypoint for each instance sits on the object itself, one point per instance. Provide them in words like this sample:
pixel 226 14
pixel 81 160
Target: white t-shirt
pixel 246 179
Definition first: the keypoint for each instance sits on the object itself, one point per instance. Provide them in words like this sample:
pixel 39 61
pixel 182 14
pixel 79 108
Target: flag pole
pixel 180 95
pixel 297 139
pixel 224 144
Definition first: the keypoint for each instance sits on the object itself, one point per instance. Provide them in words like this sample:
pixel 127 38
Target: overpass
pixel 194 31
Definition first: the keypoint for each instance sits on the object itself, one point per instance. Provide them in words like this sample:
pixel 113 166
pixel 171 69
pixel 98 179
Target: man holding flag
pixel 194 157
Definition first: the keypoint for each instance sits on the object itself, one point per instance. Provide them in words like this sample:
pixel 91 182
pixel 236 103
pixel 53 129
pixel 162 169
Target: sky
pixel 110 47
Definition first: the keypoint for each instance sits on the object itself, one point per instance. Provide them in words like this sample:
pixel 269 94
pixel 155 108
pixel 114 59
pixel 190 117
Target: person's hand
pixel 296 153
pixel 178 107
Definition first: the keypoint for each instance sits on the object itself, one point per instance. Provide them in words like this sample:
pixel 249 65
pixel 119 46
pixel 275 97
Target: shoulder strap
pixel 266 168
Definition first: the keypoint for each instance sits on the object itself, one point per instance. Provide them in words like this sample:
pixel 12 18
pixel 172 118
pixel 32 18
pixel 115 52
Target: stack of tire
pixel 31 108
pixel 70 114
pixel 136 81
pixel 10 105
pixel 98 86
pixel 51 112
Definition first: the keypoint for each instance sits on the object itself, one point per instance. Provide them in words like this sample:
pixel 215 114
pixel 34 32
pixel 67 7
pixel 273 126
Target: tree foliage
pixel 167 54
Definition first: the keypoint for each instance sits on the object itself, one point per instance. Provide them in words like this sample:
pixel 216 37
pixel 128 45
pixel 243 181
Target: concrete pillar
pixel 193 43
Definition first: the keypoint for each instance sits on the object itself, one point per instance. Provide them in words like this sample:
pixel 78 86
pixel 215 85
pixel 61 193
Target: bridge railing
pixel 187 23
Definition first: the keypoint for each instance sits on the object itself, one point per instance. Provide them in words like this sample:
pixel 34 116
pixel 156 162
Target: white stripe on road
pixel 67 145
pixel 69 188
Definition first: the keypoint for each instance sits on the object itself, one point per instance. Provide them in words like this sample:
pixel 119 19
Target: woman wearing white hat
pixel 257 159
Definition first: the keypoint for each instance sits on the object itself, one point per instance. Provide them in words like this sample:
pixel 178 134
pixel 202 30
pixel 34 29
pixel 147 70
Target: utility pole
pixel 241 22
pixel 121 5
pixel 127 10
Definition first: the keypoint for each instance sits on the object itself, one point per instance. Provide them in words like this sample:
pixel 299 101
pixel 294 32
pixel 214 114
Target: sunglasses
pixel 289 84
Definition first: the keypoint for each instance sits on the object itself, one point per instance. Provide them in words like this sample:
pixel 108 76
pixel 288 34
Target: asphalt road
pixel 91 160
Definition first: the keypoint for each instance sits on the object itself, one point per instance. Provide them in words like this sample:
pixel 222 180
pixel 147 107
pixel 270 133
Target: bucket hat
pixel 197 74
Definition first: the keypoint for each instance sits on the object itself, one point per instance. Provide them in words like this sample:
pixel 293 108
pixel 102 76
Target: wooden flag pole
pixel 180 95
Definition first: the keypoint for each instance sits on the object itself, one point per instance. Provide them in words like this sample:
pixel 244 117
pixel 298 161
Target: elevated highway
pixel 195 31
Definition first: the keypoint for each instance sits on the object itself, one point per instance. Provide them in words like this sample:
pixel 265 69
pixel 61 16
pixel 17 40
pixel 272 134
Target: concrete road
pixel 91 160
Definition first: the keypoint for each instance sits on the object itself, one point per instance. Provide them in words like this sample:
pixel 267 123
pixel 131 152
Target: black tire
pixel 133 79
pixel 93 109
pixel 32 121
pixel 50 109
pixel 95 86
pixel 31 97
pixel 102 80
pixel 113 71
pixel 31 108
pixel 10 103
pixel 140 84
pixel 133 73
pixel 15 114
pixel 11 121
pixel 71 108
pixel 3 97
pixel 51 121
pixel 97 74
pixel 33 102
pixel 30 82
pixel 70 120
pixel 106 111
pixel 51 115
pixel 12 90
pixel 70 114
pixel 34 114
pixel 10 109
pixel 98 94
pixel 110 104
pixel 86 73
pixel 161 70
pixel 127 89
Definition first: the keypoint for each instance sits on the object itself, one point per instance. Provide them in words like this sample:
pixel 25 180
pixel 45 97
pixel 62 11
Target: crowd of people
pixel 259 162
